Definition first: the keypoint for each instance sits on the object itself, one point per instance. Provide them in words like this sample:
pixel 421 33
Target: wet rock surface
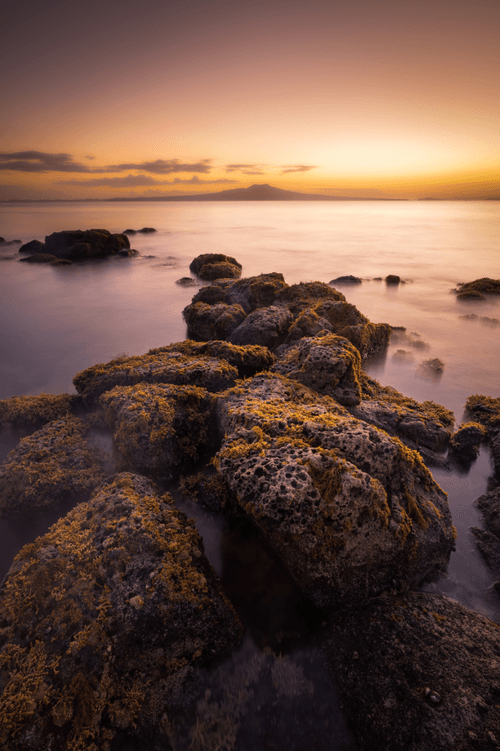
pixel 466 441
pixel 418 672
pixel 488 540
pixel 34 411
pixel 79 244
pixel 103 621
pixel 486 410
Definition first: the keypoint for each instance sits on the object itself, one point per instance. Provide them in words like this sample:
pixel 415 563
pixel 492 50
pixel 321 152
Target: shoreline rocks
pixel 77 245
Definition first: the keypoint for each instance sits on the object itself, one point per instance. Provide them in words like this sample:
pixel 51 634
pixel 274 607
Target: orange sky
pixel 370 97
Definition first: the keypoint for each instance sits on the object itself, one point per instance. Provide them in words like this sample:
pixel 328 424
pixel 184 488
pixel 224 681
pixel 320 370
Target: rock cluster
pixel 76 245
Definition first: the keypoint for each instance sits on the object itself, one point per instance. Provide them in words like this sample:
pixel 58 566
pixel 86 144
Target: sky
pixel 374 98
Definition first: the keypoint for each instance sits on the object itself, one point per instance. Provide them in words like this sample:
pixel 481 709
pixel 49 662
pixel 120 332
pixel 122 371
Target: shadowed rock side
pixel 265 310
pixel 466 442
pixel 349 510
pixel 56 465
pixel 79 244
pixel 486 410
pixel 488 540
pixel 103 620
pixel 418 672
pixel 34 411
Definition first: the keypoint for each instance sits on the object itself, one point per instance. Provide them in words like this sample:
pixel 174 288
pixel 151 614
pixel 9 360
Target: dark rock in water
pixel 434 366
pixel 61 262
pixel 488 545
pixel 127 253
pixel 306 296
pixel 85 244
pixel 349 279
pixel 105 620
pixel 392 279
pixel 198 262
pixel 489 504
pixel 54 466
pixel 159 429
pixel 34 246
pixel 39 258
pixel 130 232
pixel 329 364
pixel 465 443
pixel 486 410
pixel 222 270
pixel 403 355
pixel 265 327
pixel 470 295
pixel 349 510
pixel 484 286
pixel 419 672
pixel 3 241
pixel 187 281
pixel 147 230
pixel 35 411
pixel 206 322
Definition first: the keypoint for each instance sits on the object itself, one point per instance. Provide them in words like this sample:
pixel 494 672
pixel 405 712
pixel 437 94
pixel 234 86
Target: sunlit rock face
pixel 417 671
pixel 350 511
pixel 103 620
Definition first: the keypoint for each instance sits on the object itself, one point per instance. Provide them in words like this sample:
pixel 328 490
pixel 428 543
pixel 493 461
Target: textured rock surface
pixel 486 410
pixel 329 365
pixel 418 672
pixel 223 270
pixel 348 509
pixel 159 429
pixel 83 244
pixel 54 466
pixel 465 443
pixel 485 285
pixel 102 620
pixel 33 411
pixel 212 258
pixel 264 326
pixel 39 258
pixel 488 541
pixel 206 322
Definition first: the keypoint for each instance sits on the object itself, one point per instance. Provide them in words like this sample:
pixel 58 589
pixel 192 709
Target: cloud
pixel 296 168
pixel 162 167
pixel 196 181
pixel 40 161
pixel 247 169
pixel 129 181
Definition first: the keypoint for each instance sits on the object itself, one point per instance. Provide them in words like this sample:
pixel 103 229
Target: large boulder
pixel 206 322
pixel 83 244
pixel 328 364
pixel 264 326
pixel 482 286
pixel 205 259
pixel 54 466
pixel 466 441
pixel 349 510
pixel 160 429
pixel 33 246
pixel 418 672
pixel 104 619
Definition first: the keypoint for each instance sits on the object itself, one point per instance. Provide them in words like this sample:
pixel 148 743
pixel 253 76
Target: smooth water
pixel 58 320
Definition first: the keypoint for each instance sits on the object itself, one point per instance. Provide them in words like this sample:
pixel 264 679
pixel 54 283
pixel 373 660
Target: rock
pixel 223 270
pixel 105 620
pixel 39 258
pixel 34 411
pixel 329 365
pixel 403 355
pixel 470 295
pixel 426 424
pixel 392 279
pixel 484 286
pixel 306 295
pixel 308 324
pixel 489 504
pixel 486 410
pixel 488 545
pixel 346 320
pixel 187 281
pixel 431 369
pixel 349 510
pixel 160 429
pixel 200 261
pixel 54 466
pixel 418 672
pixel 487 321
pixel 265 327
pixel 61 262
pixel 349 279
pixel 206 322
pixel 127 253
pixel 80 245
pixel 34 246
pixel 256 291
pixel 465 443
pixel 178 363
pixel 147 230
pixel 130 232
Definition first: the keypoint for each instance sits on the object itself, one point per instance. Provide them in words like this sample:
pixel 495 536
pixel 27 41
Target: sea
pixel 56 321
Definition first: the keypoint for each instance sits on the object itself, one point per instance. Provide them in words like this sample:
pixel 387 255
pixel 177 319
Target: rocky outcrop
pixel 160 429
pixel 54 466
pixel 486 410
pixel 33 246
pixel 483 286
pixel 328 364
pixel 104 620
pixel 417 672
pixel 348 279
pixel 264 326
pixel 210 266
pixel 349 511
pixel 466 442
pixel 39 258
pixel 488 541
pixel 206 322
pixel 85 244
pixel 34 411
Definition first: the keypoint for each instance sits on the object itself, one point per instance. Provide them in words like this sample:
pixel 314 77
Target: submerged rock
pixel 417 672
pixel 348 509
pixel 104 619
pixel 54 466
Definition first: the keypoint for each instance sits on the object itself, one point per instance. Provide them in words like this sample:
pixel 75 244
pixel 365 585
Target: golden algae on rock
pixel 34 411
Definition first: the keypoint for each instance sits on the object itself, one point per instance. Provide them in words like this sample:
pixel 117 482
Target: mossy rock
pixel 206 322
pixel 299 297
pixel 212 258
pixel 485 410
pixel 34 411
pixel 222 270
pixel 54 466
pixel 104 621
pixel 470 295
pixel 466 441
pixel 485 286
pixel 160 429
pixel 417 671
pixel 248 359
pixel 266 327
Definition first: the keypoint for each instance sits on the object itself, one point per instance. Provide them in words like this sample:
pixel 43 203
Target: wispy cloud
pixel 162 166
pixel 40 161
pixel 196 181
pixel 137 181
pixel 297 168
pixel 246 169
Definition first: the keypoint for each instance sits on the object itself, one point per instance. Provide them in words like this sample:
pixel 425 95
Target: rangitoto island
pixel 114 626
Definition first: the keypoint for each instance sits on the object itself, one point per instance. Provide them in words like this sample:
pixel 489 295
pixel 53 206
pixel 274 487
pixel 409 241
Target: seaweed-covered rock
pixel 211 258
pixel 206 322
pixel 328 364
pixel 264 326
pixel 348 509
pixel 248 359
pixel 104 619
pixel 470 294
pixel 307 324
pixel 163 365
pixel 419 424
pixel 304 295
pixel 34 411
pixel 54 466
pixel 159 428
pixel 417 672
pixel 346 320
pixel 85 244
pixel 483 286
pixel 486 410
pixel 222 270
pixel 465 443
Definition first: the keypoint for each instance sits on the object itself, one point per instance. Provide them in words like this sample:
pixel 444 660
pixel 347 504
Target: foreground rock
pixel 466 442
pixel 103 620
pixel 210 266
pixel 349 510
pixel 53 467
pixel 160 429
pixel 79 244
pixel 34 411
pixel 214 365
pixel 418 672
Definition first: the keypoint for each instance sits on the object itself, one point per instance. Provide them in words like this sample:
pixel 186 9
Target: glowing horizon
pixel 371 99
